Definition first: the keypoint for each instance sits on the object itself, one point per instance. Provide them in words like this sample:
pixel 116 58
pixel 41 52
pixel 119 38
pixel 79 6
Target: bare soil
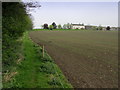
pixel 88 59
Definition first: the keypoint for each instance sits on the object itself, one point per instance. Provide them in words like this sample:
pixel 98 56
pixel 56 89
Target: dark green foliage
pixel 108 28
pixel 54 25
pixel 46 59
pixel 15 21
pixel 47 68
pixel 45 26
pixel 54 81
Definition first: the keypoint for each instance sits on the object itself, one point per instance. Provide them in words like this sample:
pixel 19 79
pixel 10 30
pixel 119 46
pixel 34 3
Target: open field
pixel 88 59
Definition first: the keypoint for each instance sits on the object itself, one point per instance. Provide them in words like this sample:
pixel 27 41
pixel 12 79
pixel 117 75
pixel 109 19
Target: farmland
pixel 88 59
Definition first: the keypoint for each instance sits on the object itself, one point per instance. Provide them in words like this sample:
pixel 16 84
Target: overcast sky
pixel 89 13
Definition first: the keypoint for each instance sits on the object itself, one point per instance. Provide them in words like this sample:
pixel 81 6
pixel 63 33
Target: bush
pixel 54 81
pixel 46 59
pixel 45 26
pixel 108 28
pixel 51 27
pixel 47 68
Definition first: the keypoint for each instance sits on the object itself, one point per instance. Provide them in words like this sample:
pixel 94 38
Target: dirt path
pixel 84 64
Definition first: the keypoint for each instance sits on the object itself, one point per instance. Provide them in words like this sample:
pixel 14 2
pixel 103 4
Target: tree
pixel 54 25
pixel 94 27
pixel 46 26
pixel 50 27
pixel 100 27
pixel 65 26
pixel 82 24
pixel 68 26
pixel 59 26
pixel 32 4
pixel 108 28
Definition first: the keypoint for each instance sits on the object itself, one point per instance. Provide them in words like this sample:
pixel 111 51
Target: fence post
pixel 43 51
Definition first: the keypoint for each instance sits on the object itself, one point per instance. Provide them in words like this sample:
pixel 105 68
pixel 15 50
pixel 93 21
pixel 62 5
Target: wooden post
pixel 43 51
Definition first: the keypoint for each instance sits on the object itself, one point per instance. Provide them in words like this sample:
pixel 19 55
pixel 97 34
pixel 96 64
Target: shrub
pixel 46 59
pixel 54 81
pixel 47 68
pixel 51 27
pixel 45 26
pixel 108 28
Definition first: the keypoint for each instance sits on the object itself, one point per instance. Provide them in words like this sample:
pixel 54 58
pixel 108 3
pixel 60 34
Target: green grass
pixel 35 71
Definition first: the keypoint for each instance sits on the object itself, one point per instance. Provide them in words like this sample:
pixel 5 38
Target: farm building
pixel 104 28
pixel 77 26
pixel 88 27
pixel 114 28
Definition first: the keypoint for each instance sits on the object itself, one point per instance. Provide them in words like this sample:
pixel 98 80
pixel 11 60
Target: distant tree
pixel 68 26
pixel 45 26
pixel 71 26
pixel 97 28
pixel 100 27
pixel 65 26
pixel 82 24
pixel 108 28
pixel 54 25
pixel 94 27
pixel 50 27
pixel 59 26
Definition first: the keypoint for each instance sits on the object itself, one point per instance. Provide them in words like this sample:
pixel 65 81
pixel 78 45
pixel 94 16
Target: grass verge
pixel 34 71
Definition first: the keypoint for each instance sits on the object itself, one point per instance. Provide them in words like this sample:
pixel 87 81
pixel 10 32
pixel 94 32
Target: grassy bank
pixel 34 71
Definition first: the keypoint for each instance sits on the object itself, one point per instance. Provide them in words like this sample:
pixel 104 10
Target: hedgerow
pixel 15 21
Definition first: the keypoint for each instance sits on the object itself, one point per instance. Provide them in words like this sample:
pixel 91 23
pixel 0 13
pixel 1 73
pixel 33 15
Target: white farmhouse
pixel 78 26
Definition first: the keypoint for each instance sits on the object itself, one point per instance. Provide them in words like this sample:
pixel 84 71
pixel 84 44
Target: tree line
pixel 55 26
pixel 69 26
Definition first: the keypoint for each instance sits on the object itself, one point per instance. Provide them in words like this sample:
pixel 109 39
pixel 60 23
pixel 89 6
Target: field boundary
pixel 44 51
pixel 43 54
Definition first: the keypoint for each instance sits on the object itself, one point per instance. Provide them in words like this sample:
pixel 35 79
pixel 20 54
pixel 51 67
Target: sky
pixel 89 13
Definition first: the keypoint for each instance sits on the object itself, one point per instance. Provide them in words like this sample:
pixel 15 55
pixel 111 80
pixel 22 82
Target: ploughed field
pixel 88 59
